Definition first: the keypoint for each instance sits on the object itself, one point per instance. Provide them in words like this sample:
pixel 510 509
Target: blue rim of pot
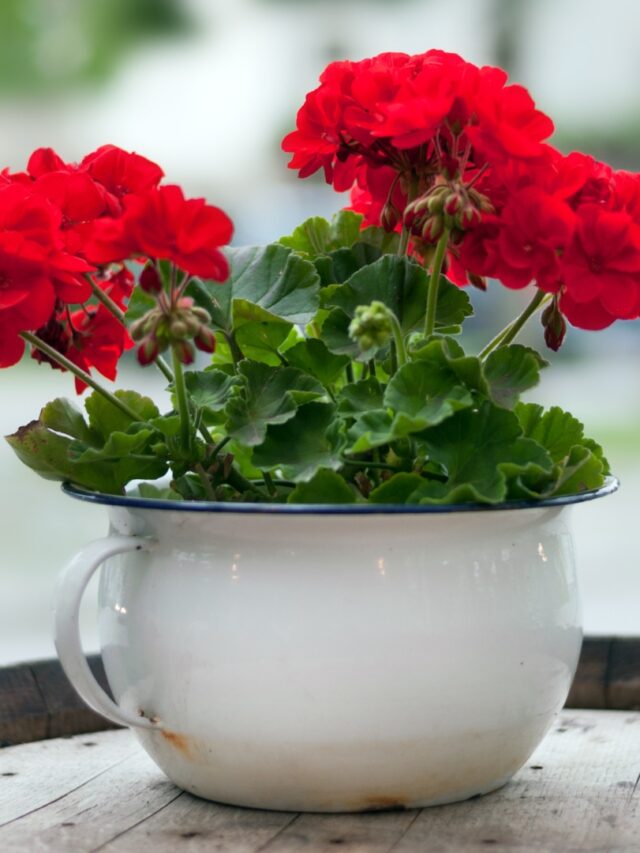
pixel 610 486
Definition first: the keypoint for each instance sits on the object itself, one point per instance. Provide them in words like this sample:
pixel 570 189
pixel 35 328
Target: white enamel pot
pixel 330 658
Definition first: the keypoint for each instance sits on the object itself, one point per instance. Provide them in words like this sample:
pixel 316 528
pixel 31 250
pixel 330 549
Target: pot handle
pixel 69 591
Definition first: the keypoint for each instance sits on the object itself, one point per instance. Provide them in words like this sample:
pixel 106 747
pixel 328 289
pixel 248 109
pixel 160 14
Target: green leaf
pixel 580 462
pixel 397 282
pixel 316 236
pixel 454 305
pixel 397 489
pixel 371 429
pixel 308 441
pixel 427 391
pixel 48 454
pixel 325 487
pixel 210 390
pixel 335 334
pixel 557 431
pixel 159 493
pixel 266 395
pixel 127 456
pixel 139 304
pixel 313 357
pixel 386 241
pixel 510 371
pixel 338 266
pixel 479 450
pixel 272 277
pixel 581 472
pixel 361 396
pixel 106 418
pixel 63 416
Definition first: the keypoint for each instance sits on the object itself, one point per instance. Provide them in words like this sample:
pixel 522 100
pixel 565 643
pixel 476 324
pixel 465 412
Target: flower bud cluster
pixel 177 324
pixel 371 326
pixel 447 205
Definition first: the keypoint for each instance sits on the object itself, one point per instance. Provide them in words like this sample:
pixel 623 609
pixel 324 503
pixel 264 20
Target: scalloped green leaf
pixel 48 454
pixel 317 236
pixel 62 415
pixel 308 441
pixel 480 449
pixel 510 371
pixel 266 395
pixel 338 266
pixel 271 277
pixel 105 418
pixel 313 356
pixel 325 487
pixel 210 390
pixel 397 489
pixel 359 397
pixel 397 282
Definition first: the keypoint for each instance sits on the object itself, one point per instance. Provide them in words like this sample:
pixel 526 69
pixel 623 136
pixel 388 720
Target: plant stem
pixel 401 352
pixel 510 332
pixel 206 482
pixel 107 301
pixel 268 481
pixel 404 242
pixel 182 401
pixel 82 375
pixel 434 283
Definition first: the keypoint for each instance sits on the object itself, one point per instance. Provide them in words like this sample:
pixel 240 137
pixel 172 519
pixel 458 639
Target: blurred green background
pixel 207 88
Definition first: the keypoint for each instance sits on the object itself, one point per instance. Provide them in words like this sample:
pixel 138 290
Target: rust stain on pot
pixel 375 804
pixel 179 742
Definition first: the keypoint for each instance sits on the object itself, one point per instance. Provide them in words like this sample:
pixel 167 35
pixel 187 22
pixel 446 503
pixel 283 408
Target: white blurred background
pixel 208 88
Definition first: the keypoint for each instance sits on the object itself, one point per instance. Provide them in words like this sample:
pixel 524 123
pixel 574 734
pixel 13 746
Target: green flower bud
pixel 371 326
pixel 179 329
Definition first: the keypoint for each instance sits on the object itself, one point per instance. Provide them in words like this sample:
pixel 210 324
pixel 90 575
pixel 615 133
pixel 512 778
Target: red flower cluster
pixel 65 231
pixel 444 147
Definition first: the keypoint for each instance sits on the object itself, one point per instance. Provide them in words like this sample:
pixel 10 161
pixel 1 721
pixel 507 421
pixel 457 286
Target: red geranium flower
pixel 163 224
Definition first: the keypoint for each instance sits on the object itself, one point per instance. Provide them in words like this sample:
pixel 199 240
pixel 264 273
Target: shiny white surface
pixel 335 663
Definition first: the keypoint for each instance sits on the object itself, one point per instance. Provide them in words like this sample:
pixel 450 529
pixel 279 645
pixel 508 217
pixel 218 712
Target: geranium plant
pixel 337 370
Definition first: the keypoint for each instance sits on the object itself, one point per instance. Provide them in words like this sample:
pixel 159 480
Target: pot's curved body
pixel 341 662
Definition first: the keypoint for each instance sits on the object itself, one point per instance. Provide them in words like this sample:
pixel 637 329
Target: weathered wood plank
pixel 623 683
pixel 38 702
pixel 579 792
pixel 35 774
pixel 23 713
pixel 589 688
pixel 67 712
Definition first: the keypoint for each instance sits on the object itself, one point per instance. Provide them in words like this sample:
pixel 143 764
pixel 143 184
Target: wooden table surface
pixel 579 792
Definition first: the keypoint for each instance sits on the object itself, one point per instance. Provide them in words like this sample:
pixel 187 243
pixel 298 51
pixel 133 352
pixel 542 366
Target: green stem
pixel 236 353
pixel 182 401
pixel 401 353
pixel 361 463
pixel 107 301
pixel 63 361
pixel 403 245
pixel 206 482
pixel 434 283
pixel 510 332
pixel 268 481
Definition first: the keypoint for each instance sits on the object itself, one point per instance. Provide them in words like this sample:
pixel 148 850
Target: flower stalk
pixel 510 332
pixel 78 372
pixel 434 283
pixel 182 400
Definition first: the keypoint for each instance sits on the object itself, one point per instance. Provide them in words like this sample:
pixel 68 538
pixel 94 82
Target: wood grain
pixel 580 791
pixel 38 702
